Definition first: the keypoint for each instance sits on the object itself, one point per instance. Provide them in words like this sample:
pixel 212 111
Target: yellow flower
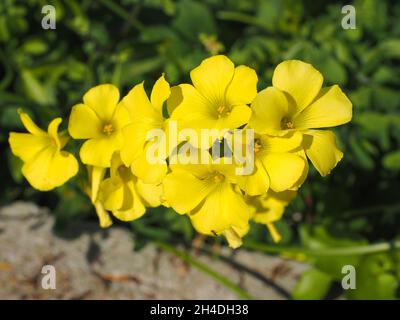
pixel 125 195
pixel 297 102
pixel 277 164
pixel 99 119
pixel 103 215
pixel 208 194
pixel 95 177
pixel 269 208
pixel 146 115
pixel 45 165
pixel 218 97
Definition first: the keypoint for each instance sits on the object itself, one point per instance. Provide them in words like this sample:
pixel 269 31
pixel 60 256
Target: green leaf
pixel 313 284
pixel 35 90
pixel 35 46
pixel 270 12
pixel 391 160
pixel 386 75
pixel 194 18
pixel 372 15
pixel 319 238
pixel 156 34
pixel 375 279
pixel 136 69
pixel 361 155
pixel 390 48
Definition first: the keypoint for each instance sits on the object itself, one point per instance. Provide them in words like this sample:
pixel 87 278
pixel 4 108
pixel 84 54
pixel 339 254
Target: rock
pixel 92 263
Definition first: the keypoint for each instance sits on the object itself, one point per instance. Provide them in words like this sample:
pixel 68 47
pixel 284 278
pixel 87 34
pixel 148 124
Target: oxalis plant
pixel 123 179
pixel 218 151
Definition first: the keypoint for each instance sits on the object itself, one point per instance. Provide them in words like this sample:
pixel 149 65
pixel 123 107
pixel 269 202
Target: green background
pixel 125 42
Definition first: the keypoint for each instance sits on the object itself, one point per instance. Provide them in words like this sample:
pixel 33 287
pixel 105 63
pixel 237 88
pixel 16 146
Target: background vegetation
pixel 350 217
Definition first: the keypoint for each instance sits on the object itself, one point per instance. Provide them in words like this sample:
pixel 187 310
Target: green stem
pixel 122 13
pixel 326 252
pixel 204 268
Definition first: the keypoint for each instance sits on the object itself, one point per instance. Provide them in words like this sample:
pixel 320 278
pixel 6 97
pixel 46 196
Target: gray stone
pixel 92 263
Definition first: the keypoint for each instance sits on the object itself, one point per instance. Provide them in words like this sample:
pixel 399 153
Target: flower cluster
pixel 119 145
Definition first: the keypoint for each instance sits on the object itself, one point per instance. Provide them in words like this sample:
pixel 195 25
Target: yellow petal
pixel 140 107
pixel 98 152
pixel 176 97
pixel 221 209
pixel 160 93
pixel 53 131
pixel 149 172
pixel 119 194
pixel 144 117
pixel 30 125
pixel 299 79
pixel 96 175
pixel 322 150
pixel 133 206
pixel 50 169
pixel 301 153
pixel 102 99
pixel 243 87
pixel 331 108
pixel 151 193
pixel 84 123
pixel 26 146
pixel 135 138
pixel 269 107
pixel 111 194
pixel 212 76
pixel 116 164
pixel 256 183
pixel 121 117
pixel 104 218
pixel 239 116
pixel 271 206
pixel 286 143
pixel 183 191
pixel 198 165
pixel 234 236
pixel 234 240
pixel 284 170
pixel 191 109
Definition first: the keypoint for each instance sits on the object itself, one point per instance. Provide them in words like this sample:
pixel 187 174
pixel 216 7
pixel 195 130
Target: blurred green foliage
pixel 125 42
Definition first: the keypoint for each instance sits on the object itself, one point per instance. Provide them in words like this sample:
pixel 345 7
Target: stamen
pixel 108 129
pixel 221 109
pixel 257 146
pixel 218 178
pixel 287 124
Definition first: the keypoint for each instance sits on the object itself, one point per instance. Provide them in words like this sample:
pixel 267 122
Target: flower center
pixel 257 145
pixel 108 128
pixel 218 177
pixel 222 110
pixel 287 123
